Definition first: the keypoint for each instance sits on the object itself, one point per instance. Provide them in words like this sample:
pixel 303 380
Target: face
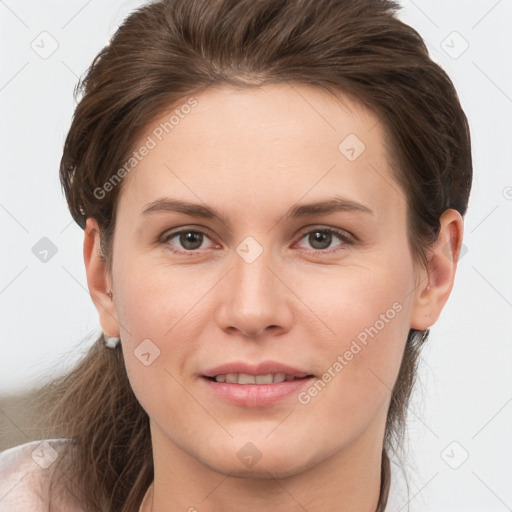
pixel 281 252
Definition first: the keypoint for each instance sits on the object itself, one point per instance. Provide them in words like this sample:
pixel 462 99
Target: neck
pixel 347 481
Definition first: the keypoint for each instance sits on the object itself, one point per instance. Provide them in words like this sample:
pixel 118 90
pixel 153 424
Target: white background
pixel 464 391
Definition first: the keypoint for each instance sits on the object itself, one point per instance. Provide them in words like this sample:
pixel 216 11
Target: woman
pixel 272 195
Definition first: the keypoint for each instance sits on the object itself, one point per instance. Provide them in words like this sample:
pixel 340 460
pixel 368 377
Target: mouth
pixel 259 385
pixel 247 379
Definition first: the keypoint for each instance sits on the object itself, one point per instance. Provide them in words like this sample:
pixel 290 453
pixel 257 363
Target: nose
pixel 254 299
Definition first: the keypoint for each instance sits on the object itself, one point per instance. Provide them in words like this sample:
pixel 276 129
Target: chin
pixel 264 469
pixel 270 461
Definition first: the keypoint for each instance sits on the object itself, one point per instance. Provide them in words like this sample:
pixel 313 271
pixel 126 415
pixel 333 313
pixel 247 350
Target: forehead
pixel 273 144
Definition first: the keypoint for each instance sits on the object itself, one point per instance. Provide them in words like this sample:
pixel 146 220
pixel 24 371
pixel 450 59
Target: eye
pixel 189 239
pixel 321 239
pixel 193 240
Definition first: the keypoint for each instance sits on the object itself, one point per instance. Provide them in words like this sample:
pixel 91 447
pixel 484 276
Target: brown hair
pixel 171 49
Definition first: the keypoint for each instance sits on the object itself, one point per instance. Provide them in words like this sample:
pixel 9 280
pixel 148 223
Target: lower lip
pixel 256 395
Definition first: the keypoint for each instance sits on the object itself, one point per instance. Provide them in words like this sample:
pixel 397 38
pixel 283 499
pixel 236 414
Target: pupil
pixel 191 240
pixel 322 238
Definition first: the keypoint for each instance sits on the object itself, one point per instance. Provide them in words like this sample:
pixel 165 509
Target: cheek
pixel 161 316
pixel 365 317
pixel 156 342
pixel 153 298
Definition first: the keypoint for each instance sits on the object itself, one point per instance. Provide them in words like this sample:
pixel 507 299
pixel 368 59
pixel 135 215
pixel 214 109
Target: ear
pixel 436 281
pixel 98 280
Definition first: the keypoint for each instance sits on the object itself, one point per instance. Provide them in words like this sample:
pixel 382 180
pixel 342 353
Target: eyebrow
pixel 332 205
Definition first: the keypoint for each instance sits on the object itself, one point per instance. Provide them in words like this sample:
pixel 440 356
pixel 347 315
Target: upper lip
pixel 262 368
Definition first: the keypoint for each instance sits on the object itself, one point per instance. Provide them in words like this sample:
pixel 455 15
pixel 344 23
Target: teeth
pixel 246 379
pixel 264 379
pixel 232 378
pixel 243 378
pixel 279 377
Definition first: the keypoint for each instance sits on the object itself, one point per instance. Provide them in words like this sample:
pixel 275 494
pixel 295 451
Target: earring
pixel 111 342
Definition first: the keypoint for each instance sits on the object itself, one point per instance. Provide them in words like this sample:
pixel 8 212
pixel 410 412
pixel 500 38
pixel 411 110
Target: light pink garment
pixel 25 474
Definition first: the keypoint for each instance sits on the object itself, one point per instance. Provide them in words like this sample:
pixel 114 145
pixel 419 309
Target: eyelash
pixel 345 237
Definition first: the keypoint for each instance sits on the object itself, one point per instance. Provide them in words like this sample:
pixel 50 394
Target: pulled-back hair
pixel 173 49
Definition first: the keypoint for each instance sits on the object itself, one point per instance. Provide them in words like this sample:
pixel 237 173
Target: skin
pixel 253 154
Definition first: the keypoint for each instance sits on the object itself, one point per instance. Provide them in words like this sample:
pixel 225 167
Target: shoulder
pixel 25 475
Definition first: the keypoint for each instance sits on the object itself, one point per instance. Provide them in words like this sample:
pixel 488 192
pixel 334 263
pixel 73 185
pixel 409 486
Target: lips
pixel 250 385
pixel 244 373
